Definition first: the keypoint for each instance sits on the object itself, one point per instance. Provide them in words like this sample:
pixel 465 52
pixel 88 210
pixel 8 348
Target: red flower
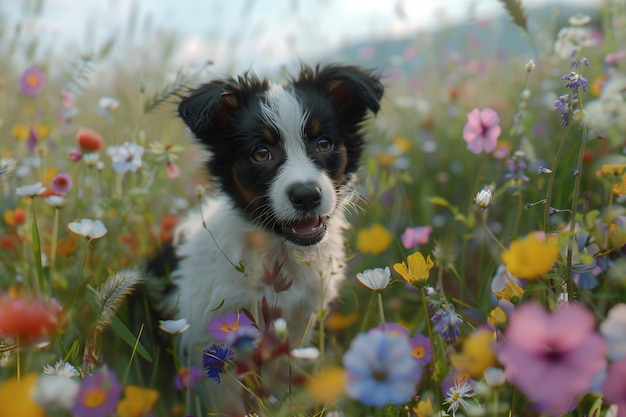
pixel 89 140
pixel 31 319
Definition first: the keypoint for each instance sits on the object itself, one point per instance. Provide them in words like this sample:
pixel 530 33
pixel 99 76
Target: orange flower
pixel 29 319
pixel 15 217
pixel 89 140
pixel 66 246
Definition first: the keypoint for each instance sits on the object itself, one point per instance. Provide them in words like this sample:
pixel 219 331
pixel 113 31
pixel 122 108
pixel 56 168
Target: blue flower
pixel 214 360
pixel 447 322
pixel 380 369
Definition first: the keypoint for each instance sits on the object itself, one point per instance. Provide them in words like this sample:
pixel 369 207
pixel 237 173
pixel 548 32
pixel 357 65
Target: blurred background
pixel 264 35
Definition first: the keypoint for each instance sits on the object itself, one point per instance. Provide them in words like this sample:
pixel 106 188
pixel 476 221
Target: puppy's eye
pixel 324 145
pixel 261 154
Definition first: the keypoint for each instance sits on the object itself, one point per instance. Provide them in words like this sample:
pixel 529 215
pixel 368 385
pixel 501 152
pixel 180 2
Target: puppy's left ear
pixel 353 90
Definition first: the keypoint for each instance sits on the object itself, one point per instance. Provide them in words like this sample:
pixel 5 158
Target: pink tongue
pixel 306 226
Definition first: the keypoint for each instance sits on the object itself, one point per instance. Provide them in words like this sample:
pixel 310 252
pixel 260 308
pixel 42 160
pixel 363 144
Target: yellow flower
pixel 511 291
pixel 476 355
pixel 402 144
pixel 607 170
pixel 373 240
pixel 424 408
pixel 137 402
pixel 620 187
pixel 497 317
pixel 16 398
pixel 530 257
pixel 21 132
pixel 418 270
pixel 327 386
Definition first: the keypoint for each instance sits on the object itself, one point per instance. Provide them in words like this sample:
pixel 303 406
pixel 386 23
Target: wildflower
pixel 575 80
pixel 516 166
pixel 482 130
pixel 137 402
pixel 15 217
pixel 61 368
pixel 421 349
pixel 16 397
pixel 424 408
pixel 89 140
pixel 172 170
pixel 7 168
pixel 484 198
pixel 91 159
pixel 98 395
pixel 174 326
pixel 530 65
pixel 327 386
pixel 497 317
pixel 220 327
pixel 55 201
pixel 544 170
pixel 456 396
pixel 374 240
pixel 415 236
pixel 571 39
pixel 214 360
pixel 613 328
pixel 614 386
pixel 552 358
pixel 565 105
pixel 580 20
pixel 61 183
pixel 380 369
pixel 91 229
pixel 477 354
pixel 495 377
pixel 376 279
pixel 531 257
pixel 187 378
pixel 446 322
pixel 418 269
pixel 126 157
pixel 32 190
pixel 29 319
pixel 56 392
pixel 32 81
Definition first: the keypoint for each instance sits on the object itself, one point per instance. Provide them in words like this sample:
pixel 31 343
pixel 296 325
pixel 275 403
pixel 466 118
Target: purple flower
pixel 614 386
pixel 446 322
pixel 221 328
pixel 420 349
pixel 32 81
pixel 552 358
pixel 61 183
pixel 415 236
pixel 32 139
pixel 380 369
pixel 98 395
pixel 214 360
pixel 186 378
pixel 482 130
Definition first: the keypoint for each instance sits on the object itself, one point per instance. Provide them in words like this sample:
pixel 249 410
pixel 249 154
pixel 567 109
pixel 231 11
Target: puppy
pixel 284 157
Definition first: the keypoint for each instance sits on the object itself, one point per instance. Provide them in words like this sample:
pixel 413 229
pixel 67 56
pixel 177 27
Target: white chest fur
pixel 209 285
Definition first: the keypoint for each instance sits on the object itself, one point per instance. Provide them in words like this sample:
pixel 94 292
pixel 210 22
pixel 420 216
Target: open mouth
pixel 305 232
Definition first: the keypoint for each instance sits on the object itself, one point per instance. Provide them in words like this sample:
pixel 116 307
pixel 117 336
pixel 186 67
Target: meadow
pixel 486 272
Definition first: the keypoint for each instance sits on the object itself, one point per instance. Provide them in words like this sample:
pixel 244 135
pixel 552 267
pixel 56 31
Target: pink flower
pixel 32 81
pixel 415 236
pixel 172 170
pixel 482 130
pixel 61 183
pixel 552 358
pixel 614 386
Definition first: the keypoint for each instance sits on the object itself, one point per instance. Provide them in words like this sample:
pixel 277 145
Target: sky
pixel 250 33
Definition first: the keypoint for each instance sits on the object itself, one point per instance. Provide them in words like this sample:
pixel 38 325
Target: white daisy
pixel 92 229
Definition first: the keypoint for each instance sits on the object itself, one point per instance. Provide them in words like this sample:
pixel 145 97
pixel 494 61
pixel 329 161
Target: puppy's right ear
pixel 208 108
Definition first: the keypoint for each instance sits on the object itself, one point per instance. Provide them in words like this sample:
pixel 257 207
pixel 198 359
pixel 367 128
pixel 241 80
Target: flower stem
pixel 381 311
pixel 433 347
pixel 557 158
pixel 53 246
pixel 490 233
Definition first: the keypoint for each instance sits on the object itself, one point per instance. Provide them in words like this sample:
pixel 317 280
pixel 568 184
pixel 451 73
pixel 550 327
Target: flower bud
pixel 484 198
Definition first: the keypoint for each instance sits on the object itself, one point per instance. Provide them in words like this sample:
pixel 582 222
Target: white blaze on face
pixel 283 110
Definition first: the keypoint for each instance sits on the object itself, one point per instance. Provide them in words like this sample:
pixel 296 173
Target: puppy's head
pixel 283 152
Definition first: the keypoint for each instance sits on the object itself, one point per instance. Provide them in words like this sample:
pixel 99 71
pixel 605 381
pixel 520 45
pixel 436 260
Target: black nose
pixel 305 196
